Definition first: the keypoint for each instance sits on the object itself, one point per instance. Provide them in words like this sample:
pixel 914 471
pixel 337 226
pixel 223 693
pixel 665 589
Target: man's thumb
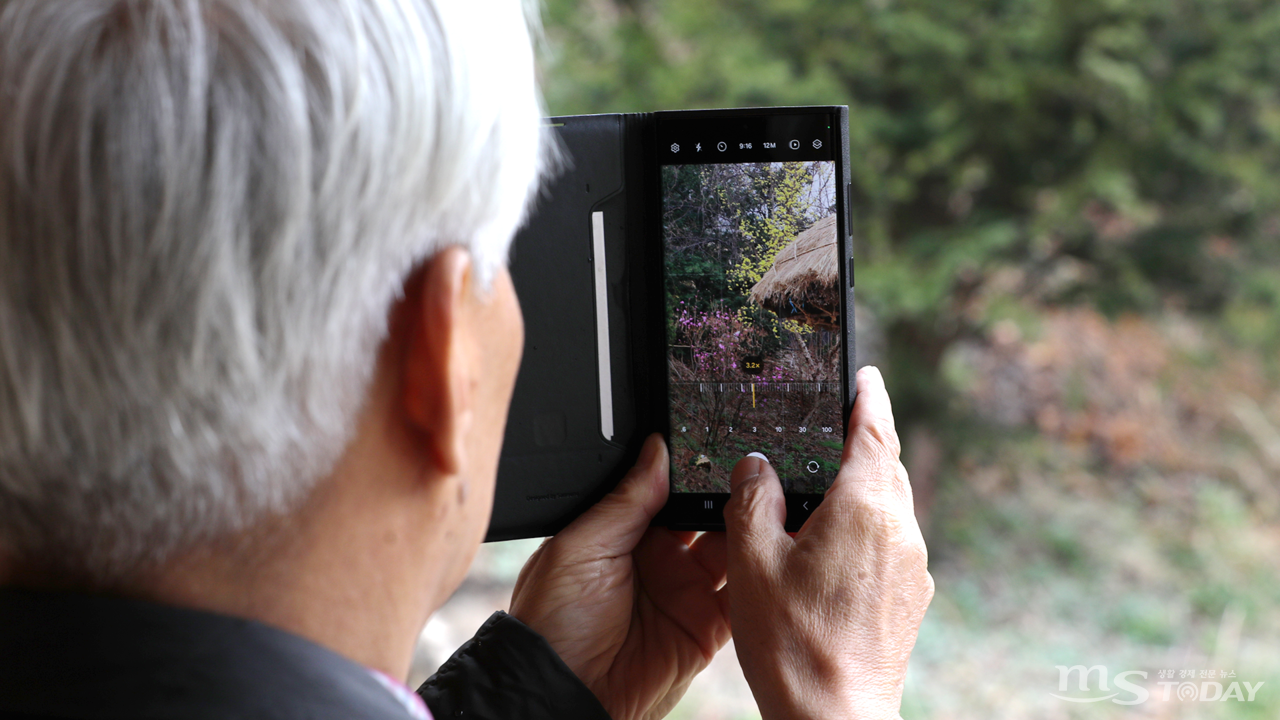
pixel 616 523
pixel 757 511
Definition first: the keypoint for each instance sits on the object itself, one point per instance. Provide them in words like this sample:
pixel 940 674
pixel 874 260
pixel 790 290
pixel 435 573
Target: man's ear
pixel 436 376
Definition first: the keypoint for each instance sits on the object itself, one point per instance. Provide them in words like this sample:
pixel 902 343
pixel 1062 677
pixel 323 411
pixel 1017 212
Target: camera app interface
pixel 753 317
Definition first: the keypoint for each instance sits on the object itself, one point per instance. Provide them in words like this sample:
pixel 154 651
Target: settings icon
pixel 675 147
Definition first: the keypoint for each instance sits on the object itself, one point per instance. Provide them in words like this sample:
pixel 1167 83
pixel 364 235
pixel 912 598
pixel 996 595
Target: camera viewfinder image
pixel 753 322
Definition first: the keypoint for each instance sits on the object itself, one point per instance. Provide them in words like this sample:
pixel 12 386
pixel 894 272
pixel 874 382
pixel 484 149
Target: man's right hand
pixel 824 622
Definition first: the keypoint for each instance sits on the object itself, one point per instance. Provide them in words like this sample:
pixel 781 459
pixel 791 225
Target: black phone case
pixel 587 269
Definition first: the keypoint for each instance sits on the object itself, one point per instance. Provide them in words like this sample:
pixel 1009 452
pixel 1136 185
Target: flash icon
pixel 699 147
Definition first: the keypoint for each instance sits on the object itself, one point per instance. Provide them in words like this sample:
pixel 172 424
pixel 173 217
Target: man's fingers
pixel 756 512
pixel 872 417
pixel 615 524
pixel 870 466
pixel 680 589
pixel 711 552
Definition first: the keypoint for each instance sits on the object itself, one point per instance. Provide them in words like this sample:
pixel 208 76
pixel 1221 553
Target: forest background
pixel 1067 237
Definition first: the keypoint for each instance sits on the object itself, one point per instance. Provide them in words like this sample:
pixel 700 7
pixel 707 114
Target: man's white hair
pixel 207 208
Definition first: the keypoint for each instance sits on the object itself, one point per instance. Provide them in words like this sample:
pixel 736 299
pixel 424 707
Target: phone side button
pixel 848 209
pixel 851 272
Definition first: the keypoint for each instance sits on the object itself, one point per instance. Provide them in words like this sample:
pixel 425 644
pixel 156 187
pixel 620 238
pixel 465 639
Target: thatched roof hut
pixel 803 283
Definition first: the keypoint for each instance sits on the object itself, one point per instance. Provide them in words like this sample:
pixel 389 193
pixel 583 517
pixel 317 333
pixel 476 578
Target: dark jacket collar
pixel 82 656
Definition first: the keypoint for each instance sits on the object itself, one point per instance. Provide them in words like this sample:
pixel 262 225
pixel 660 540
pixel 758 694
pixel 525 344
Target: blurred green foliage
pixel 1122 153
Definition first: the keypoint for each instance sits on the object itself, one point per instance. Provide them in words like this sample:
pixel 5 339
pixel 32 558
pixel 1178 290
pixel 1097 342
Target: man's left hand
pixel 636 612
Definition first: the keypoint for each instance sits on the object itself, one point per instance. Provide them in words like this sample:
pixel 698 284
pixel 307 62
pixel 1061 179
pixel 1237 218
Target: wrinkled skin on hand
pixel 825 622
pixel 634 611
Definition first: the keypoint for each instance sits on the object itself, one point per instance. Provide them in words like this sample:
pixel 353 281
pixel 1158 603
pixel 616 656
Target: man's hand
pixel 632 610
pixel 824 622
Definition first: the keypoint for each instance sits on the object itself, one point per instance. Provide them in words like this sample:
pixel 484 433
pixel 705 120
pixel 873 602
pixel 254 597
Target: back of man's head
pixel 206 209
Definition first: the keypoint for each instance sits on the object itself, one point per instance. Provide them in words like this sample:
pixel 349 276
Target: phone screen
pixel 753 307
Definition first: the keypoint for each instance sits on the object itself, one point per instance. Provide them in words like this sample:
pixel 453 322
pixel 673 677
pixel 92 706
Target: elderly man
pixel 256 350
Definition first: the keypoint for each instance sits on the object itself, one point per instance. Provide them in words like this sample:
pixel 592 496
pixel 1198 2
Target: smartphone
pixel 688 273
pixel 757 303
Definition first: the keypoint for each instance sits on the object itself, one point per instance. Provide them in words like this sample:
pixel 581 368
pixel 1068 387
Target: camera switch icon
pixel 813 466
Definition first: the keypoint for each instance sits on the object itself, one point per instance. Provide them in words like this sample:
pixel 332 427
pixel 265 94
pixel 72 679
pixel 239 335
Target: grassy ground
pixel 1113 504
